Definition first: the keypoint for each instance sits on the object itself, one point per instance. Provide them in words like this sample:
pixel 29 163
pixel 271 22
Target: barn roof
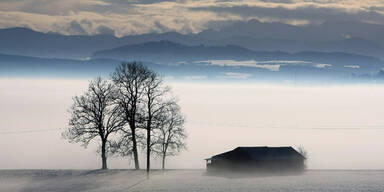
pixel 260 153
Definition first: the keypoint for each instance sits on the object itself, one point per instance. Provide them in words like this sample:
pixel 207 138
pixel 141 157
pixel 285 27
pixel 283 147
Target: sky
pixel 340 126
pixel 126 17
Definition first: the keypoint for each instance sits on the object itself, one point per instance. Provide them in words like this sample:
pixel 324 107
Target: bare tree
pixel 171 134
pixel 303 151
pixel 130 79
pixel 155 93
pixel 94 115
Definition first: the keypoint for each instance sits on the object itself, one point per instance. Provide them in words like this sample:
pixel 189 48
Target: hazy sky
pixel 123 17
pixel 340 126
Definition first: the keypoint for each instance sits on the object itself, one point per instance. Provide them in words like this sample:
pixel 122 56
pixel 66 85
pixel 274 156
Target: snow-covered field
pixel 185 180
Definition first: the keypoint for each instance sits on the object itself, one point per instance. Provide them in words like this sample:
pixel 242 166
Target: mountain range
pixel 167 52
pixel 212 62
pixel 341 36
pixel 251 49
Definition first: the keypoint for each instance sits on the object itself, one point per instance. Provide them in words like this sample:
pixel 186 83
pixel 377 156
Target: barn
pixel 257 159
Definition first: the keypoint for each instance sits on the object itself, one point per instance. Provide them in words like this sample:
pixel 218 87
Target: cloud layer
pixel 123 17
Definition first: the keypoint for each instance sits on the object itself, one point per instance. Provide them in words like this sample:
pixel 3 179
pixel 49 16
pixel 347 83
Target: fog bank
pixel 340 126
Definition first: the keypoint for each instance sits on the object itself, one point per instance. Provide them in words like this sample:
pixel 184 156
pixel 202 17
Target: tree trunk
pixel 148 150
pixel 103 155
pixel 135 155
pixel 163 162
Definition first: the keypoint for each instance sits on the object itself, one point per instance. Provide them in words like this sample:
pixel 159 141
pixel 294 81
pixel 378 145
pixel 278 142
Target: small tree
pixel 171 135
pixel 94 115
pixel 304 153
pixel 154 94
pixel 130 79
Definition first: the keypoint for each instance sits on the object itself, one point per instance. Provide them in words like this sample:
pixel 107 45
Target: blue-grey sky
pixel 123 17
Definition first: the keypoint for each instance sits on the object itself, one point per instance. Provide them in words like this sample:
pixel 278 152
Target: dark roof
pixel 260 153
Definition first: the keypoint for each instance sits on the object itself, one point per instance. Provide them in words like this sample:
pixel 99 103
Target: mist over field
pixel 270 95
pixel 185 180
pixel 339 125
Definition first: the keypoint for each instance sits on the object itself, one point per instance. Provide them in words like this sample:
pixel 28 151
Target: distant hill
pixel 347 36
pixel 23 41
pixel 331 36
pixel 312 66
pixel 166 52
pixel 16 65
pixel 326 32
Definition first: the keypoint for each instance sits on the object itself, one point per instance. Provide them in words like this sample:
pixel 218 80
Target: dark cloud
pixel 160 27
pixel 86 22
pixel 218 24
pixel 102 29
pixel 76 28
pixel 46 7
pixel 278 1
pixel 140 1
pixel 123 17
pixel 310 13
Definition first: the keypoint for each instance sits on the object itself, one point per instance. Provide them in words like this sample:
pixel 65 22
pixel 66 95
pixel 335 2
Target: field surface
pixel 186 180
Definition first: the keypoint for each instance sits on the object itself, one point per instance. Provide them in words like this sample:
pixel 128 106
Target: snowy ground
pixel 185 180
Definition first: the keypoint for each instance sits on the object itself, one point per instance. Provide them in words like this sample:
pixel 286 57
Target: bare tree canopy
pixel 94 115
pixel 135 102
pixel 130 80
pixel 145 102
pixel 171 134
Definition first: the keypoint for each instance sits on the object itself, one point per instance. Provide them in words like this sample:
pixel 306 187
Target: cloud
pixel 48 7
pixel 124 19
pixel 321 65
pixel 186 16
pixel 195 77
pixel 250 63
pixel 102 29
pixel 76 28
pixel 161 27
pixel 269 65
pixel 314 13
pixel 129 2
pixel 352 66
pixel 234 75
